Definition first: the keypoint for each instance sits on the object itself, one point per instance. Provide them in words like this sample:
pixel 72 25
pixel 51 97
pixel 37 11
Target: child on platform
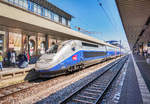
pixel 1 61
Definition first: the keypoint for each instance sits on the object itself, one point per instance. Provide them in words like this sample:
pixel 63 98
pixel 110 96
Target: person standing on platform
pixel 9 57
pixel 28 56
pixel 13 58
pixel 1 61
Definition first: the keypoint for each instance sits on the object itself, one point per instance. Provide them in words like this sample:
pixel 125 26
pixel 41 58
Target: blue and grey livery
pixel 73 55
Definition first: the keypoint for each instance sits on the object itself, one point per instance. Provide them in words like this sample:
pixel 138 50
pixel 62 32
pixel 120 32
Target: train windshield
pixel 52 49
pixel 55 48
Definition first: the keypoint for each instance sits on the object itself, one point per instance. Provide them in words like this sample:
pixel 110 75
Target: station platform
pixel 136 86
pixel 12 75
pixel 14 69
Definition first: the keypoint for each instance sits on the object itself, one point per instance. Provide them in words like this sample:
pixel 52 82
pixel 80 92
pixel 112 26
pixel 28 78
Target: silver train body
pixel 73 55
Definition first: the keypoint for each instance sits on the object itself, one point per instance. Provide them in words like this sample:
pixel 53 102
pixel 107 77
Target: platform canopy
pixel 135 16
pixel 13 17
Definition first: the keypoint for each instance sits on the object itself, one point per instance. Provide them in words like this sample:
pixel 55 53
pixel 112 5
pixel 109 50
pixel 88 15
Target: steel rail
pixel 100 98
pixel 27 85
pixel 68 98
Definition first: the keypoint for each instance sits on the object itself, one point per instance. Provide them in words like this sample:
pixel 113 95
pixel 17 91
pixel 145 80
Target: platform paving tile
pixel 130 93
pixel 144 69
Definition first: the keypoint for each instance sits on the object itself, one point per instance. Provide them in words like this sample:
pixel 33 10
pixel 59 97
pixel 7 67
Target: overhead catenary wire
pixel 89 32
pixel 115 26
pixel 100 4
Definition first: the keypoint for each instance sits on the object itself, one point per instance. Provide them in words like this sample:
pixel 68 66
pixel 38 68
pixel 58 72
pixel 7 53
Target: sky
pixel 90 16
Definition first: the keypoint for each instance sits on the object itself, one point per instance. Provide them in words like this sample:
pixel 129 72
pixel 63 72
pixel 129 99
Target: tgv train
pixel 73 55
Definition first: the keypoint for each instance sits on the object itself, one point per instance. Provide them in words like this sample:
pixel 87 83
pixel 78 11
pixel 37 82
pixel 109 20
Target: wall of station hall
pixel 34 43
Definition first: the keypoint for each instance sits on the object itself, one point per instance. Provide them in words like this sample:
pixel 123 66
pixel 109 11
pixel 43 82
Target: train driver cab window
pixel 53 48
pixel 73 49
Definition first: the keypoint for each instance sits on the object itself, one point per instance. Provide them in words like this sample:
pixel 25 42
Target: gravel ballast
pixel 62 94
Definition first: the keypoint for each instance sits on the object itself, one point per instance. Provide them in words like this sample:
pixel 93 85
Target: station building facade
pixel 21 39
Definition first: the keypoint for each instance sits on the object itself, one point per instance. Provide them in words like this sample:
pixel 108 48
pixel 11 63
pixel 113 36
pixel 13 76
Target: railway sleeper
pixel 93 90
pixel 83 96
pixel 88 97
pixel 82 101
pixel 90 93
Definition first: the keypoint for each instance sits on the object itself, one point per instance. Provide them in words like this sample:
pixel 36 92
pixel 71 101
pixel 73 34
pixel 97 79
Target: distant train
pixel 73 55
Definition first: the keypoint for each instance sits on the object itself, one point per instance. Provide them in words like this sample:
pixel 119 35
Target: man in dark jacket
pixel 23 61
pixel 8 56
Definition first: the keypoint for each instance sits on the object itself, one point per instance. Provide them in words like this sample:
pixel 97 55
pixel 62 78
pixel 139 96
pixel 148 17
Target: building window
pixel 21 3
pixel 35 8
pixel 46 13
pixel 49 14
pixel 52 16
pixel 39 10
pixel 56 18
pixel 30 6
pixel 69 23
pixel 43 14
pixel 7 0
pixel 16 2
pixel 63 21
pixel 60 19
pixel 25 4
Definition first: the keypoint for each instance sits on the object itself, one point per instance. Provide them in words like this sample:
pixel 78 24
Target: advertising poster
pixel 15 41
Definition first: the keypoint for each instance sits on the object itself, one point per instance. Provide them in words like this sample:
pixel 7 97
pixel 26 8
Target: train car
pixel 73 55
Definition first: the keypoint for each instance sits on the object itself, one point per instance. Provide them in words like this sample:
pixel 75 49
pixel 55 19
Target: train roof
pixel 100 43
pixel 103 43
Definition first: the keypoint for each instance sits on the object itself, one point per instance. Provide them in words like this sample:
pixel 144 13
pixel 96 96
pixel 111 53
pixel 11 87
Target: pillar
pixel 46 42
pixel 36 47
pixel 28 39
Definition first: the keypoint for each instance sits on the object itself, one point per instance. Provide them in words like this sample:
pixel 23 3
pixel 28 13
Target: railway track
pixel 94 91
pixel 18 88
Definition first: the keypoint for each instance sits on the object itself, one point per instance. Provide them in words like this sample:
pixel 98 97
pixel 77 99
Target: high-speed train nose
pixel 44 62
pixel 42 65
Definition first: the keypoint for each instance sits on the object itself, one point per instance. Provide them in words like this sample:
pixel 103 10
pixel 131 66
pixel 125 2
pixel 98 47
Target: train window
pixel 52 49
pixel 93 54
pixel 73 49
pixel 89 45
